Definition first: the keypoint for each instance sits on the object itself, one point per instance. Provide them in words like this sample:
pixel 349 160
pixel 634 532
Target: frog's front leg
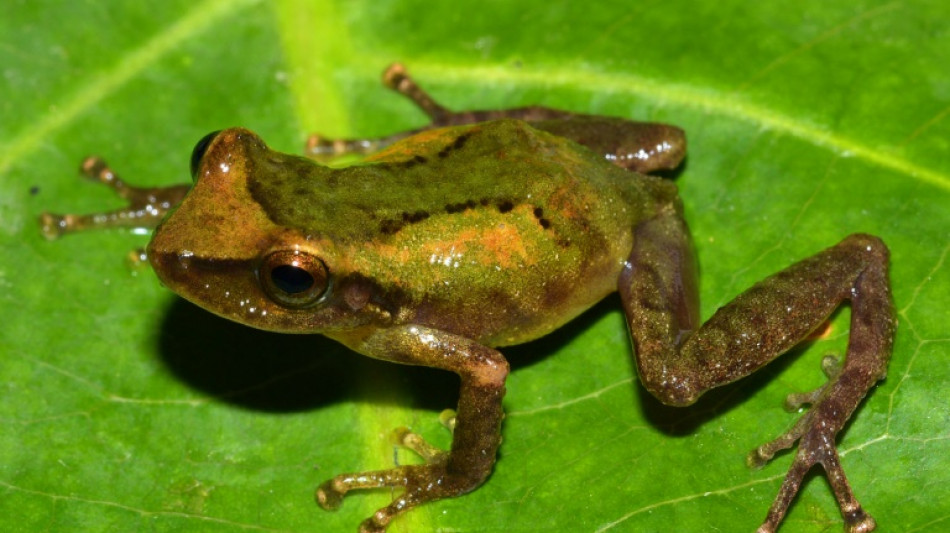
pixel 146 205
pixel 477 423
pixel 678 359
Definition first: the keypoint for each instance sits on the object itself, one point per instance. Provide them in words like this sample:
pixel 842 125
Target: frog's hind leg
pixel 678 359
pixel 643 147
pixel 639 146
pixel 397 78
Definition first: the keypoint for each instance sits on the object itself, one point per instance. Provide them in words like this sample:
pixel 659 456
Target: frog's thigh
pixel 639 146
pixel 678 361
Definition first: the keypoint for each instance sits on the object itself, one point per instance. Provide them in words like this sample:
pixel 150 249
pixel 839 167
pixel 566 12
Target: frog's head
pixel 222 251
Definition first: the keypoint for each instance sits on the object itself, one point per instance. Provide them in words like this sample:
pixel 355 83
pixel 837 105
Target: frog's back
pixel 497 231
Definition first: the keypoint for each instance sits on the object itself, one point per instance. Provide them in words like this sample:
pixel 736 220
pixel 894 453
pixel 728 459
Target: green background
pixel 125 409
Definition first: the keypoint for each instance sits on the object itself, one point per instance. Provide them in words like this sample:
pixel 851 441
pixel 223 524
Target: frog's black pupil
pixel 199 152
pixel 291 279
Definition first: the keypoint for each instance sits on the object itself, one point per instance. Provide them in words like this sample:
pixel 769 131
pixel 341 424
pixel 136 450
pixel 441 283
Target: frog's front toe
pixel 329 495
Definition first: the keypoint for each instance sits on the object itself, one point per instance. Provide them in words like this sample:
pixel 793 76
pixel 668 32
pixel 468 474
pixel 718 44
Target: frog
pixel 491 228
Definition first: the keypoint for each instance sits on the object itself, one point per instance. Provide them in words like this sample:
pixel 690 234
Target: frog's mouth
pixel 227 288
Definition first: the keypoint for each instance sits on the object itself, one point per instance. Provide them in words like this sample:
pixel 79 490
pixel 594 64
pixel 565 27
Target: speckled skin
pixel 493 228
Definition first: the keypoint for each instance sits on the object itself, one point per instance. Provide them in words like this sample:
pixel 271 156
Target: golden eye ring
pixel 293 278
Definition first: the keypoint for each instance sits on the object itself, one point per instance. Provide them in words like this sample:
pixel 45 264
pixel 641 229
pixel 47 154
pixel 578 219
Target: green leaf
pixel 126 409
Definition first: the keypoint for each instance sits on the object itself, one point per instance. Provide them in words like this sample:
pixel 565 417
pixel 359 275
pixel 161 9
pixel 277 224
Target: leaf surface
pixel 126 409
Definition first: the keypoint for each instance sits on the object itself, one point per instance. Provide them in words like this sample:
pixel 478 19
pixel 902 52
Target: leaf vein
pixel 708 99
pixel 108 81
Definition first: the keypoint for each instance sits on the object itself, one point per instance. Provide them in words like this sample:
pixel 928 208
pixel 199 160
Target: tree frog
pixel 486 229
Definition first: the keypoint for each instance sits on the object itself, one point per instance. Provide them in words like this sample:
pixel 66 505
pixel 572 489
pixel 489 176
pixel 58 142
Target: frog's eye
pixel 199 152
pixel 294 279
